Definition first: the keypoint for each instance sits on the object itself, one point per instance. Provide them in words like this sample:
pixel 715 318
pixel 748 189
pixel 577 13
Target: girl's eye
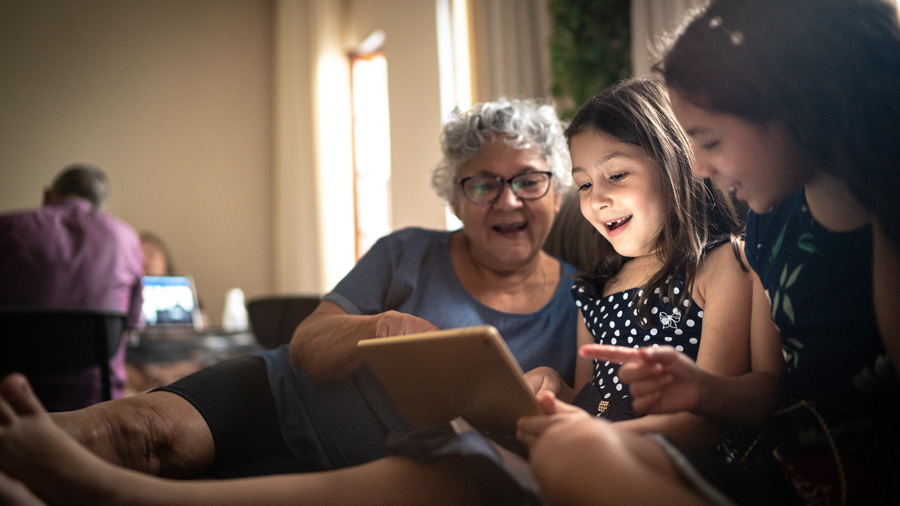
pixel 710 145
pixel 585 186
pixel 618 177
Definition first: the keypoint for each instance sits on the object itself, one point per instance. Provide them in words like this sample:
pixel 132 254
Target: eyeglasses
pixel 486 189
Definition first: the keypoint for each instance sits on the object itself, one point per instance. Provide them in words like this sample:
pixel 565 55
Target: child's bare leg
pixel 391 481
pixel 158 433
pixel 596 463
pixel 60 471
pixel 14 493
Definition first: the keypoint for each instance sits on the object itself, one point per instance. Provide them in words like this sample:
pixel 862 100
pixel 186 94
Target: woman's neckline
pixel 470 283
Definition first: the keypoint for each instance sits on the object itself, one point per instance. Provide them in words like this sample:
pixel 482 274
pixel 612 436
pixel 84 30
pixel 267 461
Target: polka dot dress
pixel 614 320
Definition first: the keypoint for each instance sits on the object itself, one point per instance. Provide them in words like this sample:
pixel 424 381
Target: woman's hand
pixel 661 380
pixel 394 323
pixel 324 344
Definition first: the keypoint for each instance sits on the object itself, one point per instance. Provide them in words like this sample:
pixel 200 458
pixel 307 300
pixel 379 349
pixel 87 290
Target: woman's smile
pixel 510 228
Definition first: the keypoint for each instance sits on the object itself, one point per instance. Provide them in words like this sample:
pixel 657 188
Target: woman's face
pixel 620 191
pixel 508 232
pixel 759 163
pixel 154 260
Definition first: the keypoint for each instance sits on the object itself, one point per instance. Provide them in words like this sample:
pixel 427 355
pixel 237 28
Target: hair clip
pixel 736 37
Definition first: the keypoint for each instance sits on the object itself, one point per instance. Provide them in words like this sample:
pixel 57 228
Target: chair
pixel 274 318
pixel 42 342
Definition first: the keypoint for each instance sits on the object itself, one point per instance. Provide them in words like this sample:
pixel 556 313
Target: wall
pixel 415 104
pixel 172 99
pixel 223 124
pixel 314 129
pixel 212 120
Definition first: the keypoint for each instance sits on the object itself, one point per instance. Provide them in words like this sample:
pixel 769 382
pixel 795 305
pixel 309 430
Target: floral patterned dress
pixel 837 433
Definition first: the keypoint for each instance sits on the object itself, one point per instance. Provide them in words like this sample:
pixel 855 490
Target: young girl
pixel 668 273
pixel 671 276
pixel 793 106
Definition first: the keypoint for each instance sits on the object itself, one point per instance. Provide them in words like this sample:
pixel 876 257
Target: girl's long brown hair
pixel 637 111
pixel 828 70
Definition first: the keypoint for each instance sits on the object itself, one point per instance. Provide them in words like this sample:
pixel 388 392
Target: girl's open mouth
pixel 612 225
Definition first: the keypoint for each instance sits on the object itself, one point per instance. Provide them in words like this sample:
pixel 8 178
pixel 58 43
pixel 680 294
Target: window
pixel 455 66
pixel 371 145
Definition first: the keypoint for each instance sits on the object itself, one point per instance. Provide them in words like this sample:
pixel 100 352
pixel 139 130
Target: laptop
pixel 170 307
pixel 435 377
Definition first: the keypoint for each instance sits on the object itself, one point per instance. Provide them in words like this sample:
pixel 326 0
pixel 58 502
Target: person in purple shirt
pixel 69 254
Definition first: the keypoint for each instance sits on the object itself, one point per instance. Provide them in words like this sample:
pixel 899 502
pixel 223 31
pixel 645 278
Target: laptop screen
pixel 169 301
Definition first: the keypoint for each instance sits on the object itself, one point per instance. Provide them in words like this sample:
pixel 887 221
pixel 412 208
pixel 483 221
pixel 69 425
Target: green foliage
pixel 590 49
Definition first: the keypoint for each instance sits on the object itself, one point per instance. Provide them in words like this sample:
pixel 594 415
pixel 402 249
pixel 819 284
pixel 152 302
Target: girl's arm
pixel 724 291
pixel 886 285
pixel 748 400
pixel 663 380
pixel 584 366
pixel 546 379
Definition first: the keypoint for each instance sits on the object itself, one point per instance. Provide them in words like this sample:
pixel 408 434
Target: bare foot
pixel 36 452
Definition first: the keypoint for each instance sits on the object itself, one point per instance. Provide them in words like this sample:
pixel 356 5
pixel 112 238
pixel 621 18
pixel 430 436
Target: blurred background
pixel 269 142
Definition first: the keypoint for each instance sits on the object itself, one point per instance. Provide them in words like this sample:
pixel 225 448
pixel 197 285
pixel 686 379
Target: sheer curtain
pixel 650 19
pixel 510 48
pixel 510 42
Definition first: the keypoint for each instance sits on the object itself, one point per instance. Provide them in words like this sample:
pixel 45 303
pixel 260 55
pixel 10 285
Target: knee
pixel 131 432
pixel 135 433
pixel 567 457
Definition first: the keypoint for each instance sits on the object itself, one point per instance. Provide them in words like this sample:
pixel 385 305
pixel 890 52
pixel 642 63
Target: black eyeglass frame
pixel 503 181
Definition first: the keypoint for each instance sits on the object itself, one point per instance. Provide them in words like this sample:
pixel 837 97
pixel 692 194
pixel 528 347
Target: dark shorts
pixel 234 398
pixel 335 424
pixel 266 417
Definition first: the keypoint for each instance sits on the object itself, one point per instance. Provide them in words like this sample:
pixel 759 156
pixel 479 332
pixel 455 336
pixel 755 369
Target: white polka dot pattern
pixel 609 319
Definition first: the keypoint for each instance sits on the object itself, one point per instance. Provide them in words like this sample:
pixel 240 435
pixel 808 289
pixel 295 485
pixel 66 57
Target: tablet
pixel 436 376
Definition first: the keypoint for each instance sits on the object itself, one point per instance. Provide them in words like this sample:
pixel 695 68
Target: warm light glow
pixel 461 60
pixel 454 64
pixel 335 162
pixel 371 149
pixel 453 55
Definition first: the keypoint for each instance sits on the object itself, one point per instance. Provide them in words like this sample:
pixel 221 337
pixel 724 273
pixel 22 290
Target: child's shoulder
pixel 725 256
pixel 723 267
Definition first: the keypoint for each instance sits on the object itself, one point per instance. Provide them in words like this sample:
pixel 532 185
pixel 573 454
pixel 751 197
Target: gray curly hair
pixel 522 123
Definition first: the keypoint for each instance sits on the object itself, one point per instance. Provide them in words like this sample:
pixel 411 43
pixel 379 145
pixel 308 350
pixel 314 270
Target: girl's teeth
pixel 612 225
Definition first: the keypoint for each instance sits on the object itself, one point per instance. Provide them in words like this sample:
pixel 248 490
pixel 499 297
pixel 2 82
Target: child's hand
pixel 543 379
pixel 530 428
pixel 661 380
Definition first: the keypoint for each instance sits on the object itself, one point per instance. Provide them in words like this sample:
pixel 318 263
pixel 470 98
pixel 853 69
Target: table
pixel 156 360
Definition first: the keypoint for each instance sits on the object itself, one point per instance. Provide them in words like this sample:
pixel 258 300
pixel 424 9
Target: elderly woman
pixel 315 406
